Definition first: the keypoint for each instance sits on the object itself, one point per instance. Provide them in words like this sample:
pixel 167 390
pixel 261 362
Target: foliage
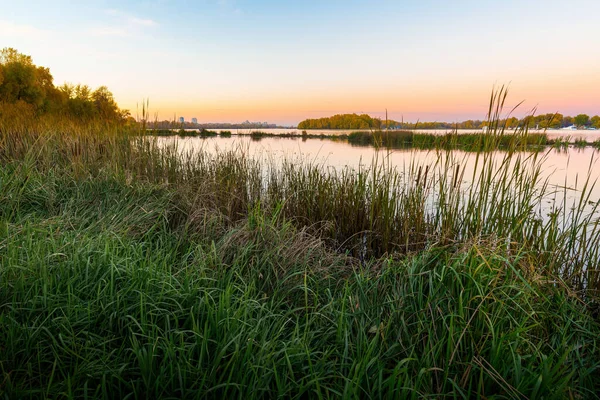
pixel 541 121
pixel 581 120
pixel 476 142
pixel 342 121
pixel 23 84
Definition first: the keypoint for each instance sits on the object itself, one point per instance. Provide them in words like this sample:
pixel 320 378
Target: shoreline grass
pixel 402 140
pixel 131 269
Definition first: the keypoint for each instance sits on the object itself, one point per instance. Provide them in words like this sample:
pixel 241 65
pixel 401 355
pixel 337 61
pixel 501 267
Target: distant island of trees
pixel 364 121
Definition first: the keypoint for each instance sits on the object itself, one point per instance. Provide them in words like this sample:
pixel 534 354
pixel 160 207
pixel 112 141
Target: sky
pixel 284 61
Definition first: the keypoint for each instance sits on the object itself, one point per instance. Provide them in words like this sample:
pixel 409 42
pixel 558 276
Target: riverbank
pixel 128 268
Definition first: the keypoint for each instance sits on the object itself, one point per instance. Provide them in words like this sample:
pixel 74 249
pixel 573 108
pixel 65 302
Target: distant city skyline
pixel 282 62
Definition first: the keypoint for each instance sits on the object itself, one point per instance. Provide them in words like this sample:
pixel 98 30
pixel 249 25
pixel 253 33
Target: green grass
pixel 130 269
pixel 464 141
pixel 207 133
pixel 113 297
pixel 581 143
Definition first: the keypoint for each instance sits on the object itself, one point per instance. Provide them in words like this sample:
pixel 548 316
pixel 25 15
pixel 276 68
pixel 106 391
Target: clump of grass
pixel 207 133
pixel 258 135
pixel 225 134
pixel 580 143
pixel 162 132
pixel 187 133
pixel 452 141
pixel 561 142
pixel 390 139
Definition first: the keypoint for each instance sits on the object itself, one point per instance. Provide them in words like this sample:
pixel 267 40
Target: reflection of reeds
pixel 580 143
pixel 129 267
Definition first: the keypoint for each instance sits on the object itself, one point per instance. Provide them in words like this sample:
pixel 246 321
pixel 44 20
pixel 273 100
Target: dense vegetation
pixel 27 89
pixel 342 121
pixel 466 142
pixel 364 121
pixel 129 269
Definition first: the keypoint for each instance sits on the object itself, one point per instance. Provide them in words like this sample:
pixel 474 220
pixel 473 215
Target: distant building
pixel 181 119
pixel 194 120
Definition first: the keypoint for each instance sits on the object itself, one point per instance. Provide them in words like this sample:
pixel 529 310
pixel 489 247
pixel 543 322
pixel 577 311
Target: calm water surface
pixel 566 168
pixel 589 135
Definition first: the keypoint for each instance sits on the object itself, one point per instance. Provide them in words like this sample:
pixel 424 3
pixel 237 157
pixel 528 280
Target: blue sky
pixel 283 61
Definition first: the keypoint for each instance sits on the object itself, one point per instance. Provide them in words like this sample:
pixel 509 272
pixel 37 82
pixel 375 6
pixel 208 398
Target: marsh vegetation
pixel 130 268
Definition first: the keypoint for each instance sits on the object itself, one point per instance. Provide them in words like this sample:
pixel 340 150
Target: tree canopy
pixel 581 120
pixel 342 121
pixel 363 121
pixel 26 84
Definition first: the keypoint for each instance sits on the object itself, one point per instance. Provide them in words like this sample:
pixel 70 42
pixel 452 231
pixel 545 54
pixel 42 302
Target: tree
pixel 105 103
pixel 68 89
pixel 595 121
pixel 567 121
pixel 581 120
pixel 555 120
pixel 342 121
pixel 512 122
pixel 19 78
pixel 22 80
pixel 25 84
pixel 82 92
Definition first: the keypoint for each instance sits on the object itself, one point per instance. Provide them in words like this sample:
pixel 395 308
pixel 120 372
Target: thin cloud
pixel 11 29
pixel 110 31
pixel 122 24
pixel 130 18
pixel 142 21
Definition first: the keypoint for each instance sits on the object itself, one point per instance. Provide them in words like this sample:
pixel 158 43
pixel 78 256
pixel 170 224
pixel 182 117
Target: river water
pixel 565 171
pixel 589 135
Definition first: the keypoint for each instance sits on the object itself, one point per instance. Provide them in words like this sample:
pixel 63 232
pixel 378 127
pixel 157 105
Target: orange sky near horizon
pixel 449 103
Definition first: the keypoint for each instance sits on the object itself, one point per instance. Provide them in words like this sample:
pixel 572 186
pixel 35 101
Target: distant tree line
pixel 28 87
pixel 364 121
pixel 342 121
